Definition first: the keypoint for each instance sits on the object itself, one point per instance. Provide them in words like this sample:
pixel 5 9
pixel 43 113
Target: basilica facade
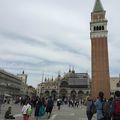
pixel 70 85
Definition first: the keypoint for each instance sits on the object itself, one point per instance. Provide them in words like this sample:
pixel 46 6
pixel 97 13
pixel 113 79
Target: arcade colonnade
pixel 66 93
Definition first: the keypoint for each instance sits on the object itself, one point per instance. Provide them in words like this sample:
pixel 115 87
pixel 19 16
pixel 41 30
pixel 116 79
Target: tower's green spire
pixel 98 6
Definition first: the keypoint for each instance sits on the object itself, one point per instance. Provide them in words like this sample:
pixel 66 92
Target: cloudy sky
pixel 52 35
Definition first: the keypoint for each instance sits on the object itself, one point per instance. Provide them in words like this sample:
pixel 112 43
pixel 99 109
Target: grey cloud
pixel 52 35
pixel 64 47
pixel 25 39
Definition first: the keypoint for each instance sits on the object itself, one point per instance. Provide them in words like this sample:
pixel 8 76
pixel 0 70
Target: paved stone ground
pixel 65 113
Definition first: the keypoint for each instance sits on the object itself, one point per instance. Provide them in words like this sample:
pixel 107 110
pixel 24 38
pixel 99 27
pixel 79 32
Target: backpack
pixel 41 111
pixel 58 103
pixel 29 111
pixel 105 109
pixel 50 103
pixel 93 108
pixel 117 108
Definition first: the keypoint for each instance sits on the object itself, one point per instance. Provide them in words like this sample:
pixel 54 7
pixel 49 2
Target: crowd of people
pixel 41 105
pixel 38 106
pixel 35 105
pixel 105 109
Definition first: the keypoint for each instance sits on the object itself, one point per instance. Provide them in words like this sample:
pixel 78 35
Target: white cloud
pixel 51 35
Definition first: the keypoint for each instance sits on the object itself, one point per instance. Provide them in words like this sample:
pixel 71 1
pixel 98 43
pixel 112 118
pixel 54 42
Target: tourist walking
pixel 115 107
pixel 49 106
pixel 106 108
pixel 58 103
pixel 100 107
pixel 110 101
pixel 91 109
pixel 39 109
pixel 26 111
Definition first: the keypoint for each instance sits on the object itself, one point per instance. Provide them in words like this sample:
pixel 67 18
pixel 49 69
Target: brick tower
pixel 100 64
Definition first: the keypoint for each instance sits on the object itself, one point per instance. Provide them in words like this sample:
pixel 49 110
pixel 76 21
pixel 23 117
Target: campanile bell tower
pixel 99 51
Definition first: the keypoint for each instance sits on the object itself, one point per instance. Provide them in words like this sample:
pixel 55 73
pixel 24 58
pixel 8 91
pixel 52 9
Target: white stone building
pixel 24 88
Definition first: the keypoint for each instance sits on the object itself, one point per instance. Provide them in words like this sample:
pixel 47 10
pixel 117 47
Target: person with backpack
pixel 115 107
pixel 26 111
pixel 106 109
pixel 40 108
pixel 49 106
pixel 100 103
pixel 58 103
pixel 90 110
pixel 37 108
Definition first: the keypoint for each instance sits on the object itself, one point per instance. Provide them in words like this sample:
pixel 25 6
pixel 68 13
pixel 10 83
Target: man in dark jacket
pixel 115 107
pixel 49 107
pixel 8 114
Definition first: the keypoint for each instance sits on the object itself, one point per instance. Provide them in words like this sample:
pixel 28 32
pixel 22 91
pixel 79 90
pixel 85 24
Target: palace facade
pixel 70 85
pixel 9 84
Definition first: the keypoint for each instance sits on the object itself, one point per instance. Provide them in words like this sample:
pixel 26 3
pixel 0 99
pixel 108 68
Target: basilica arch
pixel 47 93
pixel 73 94
pixel 80 94
pixel 54 94
pixel 63 93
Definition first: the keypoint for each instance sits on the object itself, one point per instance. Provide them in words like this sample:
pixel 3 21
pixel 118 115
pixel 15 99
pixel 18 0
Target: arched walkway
pixel 63 93
pixel 80 94
pixel 73 94
pixel 54 94
pixel 47 93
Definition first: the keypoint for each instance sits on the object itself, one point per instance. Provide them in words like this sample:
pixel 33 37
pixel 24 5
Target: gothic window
pixel 99 27
pixel 102 27
pixel 47 93
pixel 73 94
pixel 80 92
pixel 94 28
pixel 53 94
pixel 63 92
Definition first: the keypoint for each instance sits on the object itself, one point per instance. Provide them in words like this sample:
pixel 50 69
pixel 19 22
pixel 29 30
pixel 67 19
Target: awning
pixel 7 95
